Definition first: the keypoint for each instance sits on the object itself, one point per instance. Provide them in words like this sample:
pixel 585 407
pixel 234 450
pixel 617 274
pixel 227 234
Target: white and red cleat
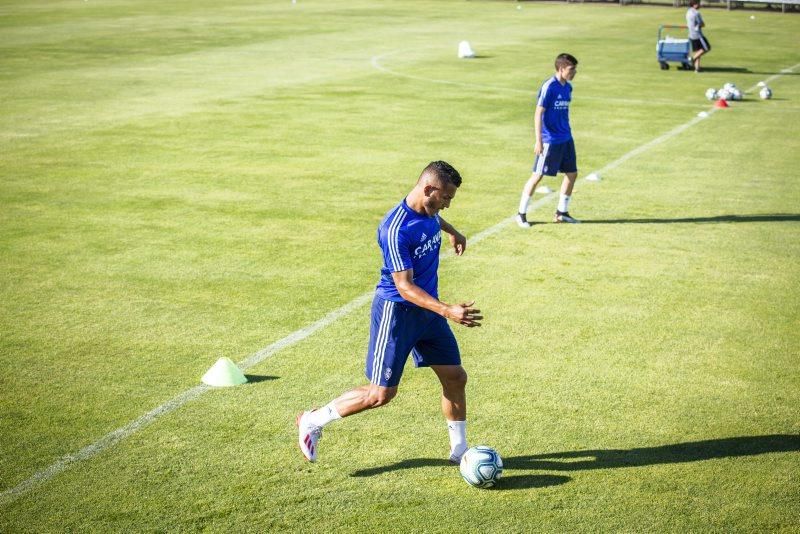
pixel 309 435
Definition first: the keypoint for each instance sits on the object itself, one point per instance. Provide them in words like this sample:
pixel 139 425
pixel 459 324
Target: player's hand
pixel 538 148
pixel 464 314
pixel 459 243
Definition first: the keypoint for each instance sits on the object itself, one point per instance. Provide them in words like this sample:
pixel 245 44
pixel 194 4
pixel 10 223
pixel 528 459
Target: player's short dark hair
pixel 694 3
pixel 565 60
pixel 442 171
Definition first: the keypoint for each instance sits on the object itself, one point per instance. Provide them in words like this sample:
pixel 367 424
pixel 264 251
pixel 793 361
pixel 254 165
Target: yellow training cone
pixel 224 373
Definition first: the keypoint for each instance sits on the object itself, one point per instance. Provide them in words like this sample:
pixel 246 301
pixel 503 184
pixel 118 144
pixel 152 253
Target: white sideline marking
pixel 675 131
pixel 100 445
pixel 790 70
pixel 176 402
pixel 376 62
pixel 643 148
pixel 112 438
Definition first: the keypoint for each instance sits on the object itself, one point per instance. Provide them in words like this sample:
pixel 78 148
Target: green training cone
pixel 224 373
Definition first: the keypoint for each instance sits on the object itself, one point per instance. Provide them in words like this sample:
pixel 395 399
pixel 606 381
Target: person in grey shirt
pixel 700 44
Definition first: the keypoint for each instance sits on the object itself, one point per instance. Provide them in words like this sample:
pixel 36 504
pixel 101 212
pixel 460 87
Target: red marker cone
pixel 721 103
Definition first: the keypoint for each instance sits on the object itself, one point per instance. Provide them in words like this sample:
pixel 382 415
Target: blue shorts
pixel 556 158
pixel 397 329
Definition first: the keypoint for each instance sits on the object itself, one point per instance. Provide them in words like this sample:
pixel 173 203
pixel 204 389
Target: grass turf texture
pixel 183 181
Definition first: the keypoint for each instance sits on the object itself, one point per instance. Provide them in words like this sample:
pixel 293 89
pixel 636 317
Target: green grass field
pixel 182 181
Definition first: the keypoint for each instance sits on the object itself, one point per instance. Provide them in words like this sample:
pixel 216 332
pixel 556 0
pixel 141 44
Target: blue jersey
pixel 555 99
pixel 409 240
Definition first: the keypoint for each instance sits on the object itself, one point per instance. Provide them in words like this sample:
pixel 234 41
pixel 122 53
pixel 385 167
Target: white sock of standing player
pixel 563 203
pixel 524 200
pixel 324 415
pixel 458 438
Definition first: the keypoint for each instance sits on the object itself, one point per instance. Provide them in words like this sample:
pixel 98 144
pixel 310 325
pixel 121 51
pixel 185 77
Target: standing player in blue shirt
pixel 554 149
pixel 407 315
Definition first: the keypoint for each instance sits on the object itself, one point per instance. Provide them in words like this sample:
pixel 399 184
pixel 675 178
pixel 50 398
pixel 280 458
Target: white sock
pixel 324 415
pixel 458 437
pixel 523 203
pixel 563 203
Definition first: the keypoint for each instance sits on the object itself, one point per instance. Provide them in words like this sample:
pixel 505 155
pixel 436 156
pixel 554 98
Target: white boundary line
pixel 376 62
pixel 114 437
pixel 681 128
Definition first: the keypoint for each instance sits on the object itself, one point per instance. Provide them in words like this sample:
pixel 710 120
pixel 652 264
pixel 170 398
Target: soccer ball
pixel 729 86
pixel 711 94
pixel 736 94
pixel 724 94
pixel 765 93
pixel 481 466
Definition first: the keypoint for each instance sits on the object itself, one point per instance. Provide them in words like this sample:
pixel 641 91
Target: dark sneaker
pixel 564 217
pixel 522 221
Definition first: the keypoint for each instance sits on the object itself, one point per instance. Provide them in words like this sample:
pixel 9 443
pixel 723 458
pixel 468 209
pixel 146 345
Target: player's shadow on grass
pixel 512 482
pixel 509 482
pixel 776 217
pixel 410 463
pixel 693 451
pixel 745 70
pixel 722 68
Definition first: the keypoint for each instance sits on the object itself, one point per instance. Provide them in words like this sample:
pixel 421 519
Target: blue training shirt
pixel 555 99
pixel 409 240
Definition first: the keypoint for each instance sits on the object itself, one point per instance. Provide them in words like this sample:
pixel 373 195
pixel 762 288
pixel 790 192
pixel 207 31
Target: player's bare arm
pixel 457 240
pixel 537 129
pixel 462 313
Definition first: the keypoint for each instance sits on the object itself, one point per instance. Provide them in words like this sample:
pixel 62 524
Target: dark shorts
pixel 556 158
pixel 397 329
pixel 700 44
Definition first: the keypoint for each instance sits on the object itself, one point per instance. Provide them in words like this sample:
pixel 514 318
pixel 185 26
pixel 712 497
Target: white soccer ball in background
pixel 765 93
pixel 736 94
pixel 711 94
pixel 730 86
pixel 724 94
pixel 481 466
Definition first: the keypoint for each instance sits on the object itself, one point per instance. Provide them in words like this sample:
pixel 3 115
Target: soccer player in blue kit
pixel 407 315
pixel 554 148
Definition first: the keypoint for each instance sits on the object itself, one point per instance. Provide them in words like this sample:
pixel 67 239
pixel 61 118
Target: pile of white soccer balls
pixel 729 91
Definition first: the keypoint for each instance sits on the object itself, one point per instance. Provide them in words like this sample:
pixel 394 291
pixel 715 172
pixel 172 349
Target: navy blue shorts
pixel 556 158
pixel 397 329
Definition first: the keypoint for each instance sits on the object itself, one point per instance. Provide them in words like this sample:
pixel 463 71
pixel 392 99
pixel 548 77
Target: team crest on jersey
pixel 424 237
